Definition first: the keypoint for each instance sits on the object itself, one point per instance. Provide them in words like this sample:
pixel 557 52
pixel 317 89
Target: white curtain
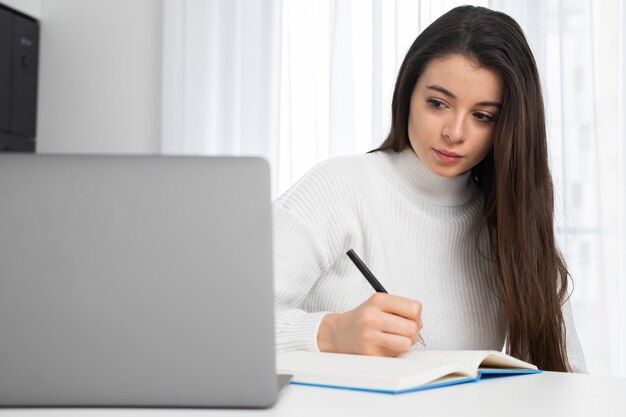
pixel 221 77
pixel 298 81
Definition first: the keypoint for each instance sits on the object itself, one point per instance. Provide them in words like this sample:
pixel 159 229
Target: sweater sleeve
pixel 575 354
pixel 310 227
pixel 299 262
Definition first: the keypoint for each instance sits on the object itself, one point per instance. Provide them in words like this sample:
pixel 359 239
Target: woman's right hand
pixel 384 325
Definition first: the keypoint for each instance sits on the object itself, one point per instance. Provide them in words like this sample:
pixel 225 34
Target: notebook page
pixel 501 360
pixel 469 358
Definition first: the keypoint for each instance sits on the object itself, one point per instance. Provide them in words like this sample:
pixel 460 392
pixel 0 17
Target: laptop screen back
pixel 135 281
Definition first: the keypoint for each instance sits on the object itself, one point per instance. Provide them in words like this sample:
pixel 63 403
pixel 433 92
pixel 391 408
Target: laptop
pixel 136 281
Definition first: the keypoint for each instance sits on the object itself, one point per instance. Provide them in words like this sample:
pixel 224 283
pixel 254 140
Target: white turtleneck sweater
pixel 415 230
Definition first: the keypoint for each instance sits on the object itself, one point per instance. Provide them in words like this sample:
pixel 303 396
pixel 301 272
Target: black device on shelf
pixel 19 61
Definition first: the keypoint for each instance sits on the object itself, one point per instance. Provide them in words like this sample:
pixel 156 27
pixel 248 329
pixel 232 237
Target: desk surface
pixel 546 394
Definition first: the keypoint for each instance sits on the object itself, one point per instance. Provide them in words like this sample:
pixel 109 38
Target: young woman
pixel 453 214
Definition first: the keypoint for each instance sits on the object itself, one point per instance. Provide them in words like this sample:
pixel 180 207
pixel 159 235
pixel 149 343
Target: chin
pixel 446 171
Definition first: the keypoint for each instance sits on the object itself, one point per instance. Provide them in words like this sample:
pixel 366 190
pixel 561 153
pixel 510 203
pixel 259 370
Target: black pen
pixel 370 278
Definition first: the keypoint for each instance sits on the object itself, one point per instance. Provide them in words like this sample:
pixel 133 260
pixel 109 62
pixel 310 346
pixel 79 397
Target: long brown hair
pixel 514 177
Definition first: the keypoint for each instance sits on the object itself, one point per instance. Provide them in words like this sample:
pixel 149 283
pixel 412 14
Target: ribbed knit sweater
pixel 418 233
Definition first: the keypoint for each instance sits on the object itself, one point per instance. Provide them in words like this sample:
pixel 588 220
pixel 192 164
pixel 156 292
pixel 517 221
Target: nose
pixel 453 129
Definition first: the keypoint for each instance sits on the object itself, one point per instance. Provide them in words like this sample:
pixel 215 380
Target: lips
pixel 446 152
pixel 447 156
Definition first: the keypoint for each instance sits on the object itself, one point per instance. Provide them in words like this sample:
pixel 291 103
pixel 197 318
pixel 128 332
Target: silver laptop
pixel 135 281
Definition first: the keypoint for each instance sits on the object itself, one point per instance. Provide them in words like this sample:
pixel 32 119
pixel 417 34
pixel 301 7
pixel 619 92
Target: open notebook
pixel 412 371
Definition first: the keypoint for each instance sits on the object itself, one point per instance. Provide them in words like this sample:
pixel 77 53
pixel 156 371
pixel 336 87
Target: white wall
pixel 100 76
pixel 29 7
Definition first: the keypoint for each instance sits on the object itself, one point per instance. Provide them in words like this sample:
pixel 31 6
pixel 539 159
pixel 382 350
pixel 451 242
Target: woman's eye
pixel 482 117
pixel 436 104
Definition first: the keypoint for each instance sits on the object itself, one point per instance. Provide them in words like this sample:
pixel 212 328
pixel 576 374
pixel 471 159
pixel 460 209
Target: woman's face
pixel 454 106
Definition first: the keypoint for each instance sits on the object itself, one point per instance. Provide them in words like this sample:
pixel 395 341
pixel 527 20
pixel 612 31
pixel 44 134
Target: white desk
pixel 548 394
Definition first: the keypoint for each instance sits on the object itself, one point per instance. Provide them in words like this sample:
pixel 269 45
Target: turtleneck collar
pixel 415 177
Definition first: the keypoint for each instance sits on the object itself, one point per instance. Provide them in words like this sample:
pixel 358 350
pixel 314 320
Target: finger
pixel 388 353
pixel 400 306
pixel 394 343
pixel 394 324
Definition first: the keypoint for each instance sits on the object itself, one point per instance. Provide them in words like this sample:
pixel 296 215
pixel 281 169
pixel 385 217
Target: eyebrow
pixel 452 96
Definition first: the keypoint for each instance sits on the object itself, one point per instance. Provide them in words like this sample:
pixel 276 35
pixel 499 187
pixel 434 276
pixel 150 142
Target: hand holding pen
pixel 371 278
pixel 383 325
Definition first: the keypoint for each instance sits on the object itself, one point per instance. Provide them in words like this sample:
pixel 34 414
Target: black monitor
pixel 19 61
